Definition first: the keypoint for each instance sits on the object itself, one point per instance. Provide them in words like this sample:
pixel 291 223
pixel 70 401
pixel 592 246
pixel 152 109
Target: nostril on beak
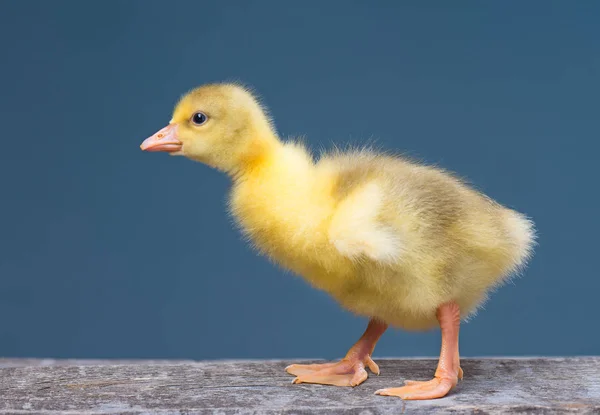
pixel 163 140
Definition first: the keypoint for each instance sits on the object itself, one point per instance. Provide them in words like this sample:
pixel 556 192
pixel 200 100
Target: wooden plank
pixel 491 385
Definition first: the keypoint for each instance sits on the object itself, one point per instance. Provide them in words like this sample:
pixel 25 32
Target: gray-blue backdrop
pixel 109 252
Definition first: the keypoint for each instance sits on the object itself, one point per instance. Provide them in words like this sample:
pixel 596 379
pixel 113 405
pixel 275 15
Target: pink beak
pixel 163 140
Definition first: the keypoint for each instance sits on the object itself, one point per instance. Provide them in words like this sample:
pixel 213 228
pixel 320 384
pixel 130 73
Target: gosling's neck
pixel 268 157
pixel 259 154
pixel 279 182
pixel 282 206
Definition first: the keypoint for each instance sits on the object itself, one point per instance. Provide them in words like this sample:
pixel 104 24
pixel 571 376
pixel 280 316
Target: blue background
pixel 109 252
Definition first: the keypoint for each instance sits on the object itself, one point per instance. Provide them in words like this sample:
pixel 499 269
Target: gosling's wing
pixel 357 233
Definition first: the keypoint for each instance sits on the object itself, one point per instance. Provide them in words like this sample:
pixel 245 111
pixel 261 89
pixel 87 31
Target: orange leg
pixel 350 371
pixel 448 371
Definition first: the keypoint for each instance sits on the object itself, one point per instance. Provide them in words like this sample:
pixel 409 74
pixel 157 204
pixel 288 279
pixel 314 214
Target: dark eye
pixel 199 118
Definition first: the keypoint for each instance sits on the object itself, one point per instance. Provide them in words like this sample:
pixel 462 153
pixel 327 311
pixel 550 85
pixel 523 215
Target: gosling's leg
pixel 448 371
pixel 350 371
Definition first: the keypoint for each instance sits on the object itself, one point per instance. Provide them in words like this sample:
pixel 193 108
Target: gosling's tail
pixel 523 237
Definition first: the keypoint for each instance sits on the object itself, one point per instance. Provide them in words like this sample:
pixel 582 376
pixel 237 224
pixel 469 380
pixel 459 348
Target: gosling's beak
pixel 163 140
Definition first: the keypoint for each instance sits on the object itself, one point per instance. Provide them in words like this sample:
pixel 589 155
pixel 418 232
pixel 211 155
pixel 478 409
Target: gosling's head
pixel 221 125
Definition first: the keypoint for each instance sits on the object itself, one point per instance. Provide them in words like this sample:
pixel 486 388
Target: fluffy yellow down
pixel 386 237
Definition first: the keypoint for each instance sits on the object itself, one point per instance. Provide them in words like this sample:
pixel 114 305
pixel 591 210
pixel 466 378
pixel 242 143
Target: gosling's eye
pixel 199 118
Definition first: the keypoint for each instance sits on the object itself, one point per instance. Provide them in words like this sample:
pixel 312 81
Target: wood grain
pixel 490 386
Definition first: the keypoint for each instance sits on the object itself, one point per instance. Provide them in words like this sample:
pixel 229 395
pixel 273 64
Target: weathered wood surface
pixel 527 385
